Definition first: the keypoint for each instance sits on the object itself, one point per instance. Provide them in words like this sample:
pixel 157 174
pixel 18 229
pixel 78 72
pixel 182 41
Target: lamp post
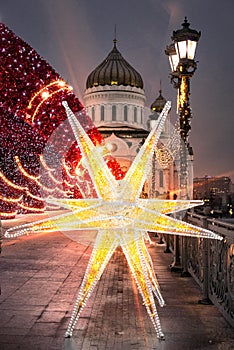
pixel 181 54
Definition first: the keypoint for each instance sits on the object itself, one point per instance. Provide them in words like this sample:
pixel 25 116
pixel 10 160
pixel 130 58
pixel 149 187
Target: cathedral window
pixel 135 115
pixel 102 113
pixel 125 113
pixel 113 113
pixel 93 114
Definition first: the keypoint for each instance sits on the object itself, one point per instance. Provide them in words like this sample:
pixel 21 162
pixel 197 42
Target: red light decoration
pixel 31 109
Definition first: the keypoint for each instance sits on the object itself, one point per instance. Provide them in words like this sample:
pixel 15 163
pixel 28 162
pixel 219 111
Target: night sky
pixel 74 36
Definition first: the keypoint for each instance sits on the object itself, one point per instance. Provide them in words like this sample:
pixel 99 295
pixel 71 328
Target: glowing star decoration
pixel 121 218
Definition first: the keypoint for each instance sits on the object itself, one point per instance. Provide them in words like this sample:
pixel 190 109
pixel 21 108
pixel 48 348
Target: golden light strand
pixel 11 184
pixel 44 94
pixel 10 200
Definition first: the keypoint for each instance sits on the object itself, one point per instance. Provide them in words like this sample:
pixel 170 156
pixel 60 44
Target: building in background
pixel 115 100
pixel 217 193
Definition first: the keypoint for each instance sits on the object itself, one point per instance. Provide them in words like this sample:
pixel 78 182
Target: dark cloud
pixel 75 35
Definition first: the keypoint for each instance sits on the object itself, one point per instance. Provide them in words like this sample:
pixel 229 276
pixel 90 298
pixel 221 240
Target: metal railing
pixel 210 262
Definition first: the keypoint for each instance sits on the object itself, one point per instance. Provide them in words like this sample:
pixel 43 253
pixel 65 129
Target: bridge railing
pixel 210 262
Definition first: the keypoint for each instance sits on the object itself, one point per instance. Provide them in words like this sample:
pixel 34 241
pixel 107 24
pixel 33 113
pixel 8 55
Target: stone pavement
pixel 40 277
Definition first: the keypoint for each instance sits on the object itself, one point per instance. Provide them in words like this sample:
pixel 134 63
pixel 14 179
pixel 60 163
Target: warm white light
pixel 45 94
pixel 61 83
pixel 181 49
pixel 174 61
pixel 186 49
pixel 191 49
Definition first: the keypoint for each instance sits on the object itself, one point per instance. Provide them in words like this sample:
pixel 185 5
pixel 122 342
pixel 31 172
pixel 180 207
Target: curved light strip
pixel 10 183
pixel 10 200
pixel 24 172
pixel 44 94
pixel 9 214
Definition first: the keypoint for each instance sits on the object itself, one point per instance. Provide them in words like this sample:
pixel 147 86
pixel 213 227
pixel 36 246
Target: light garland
pixel 52 207
pixel 68 184
pixel 58 182
pixel 67 170
pixel 43 162
pixel 10 200
pixel 23 189
pixel 61 83
pixel 36 180
pixel 33 196
pixel 44 95
pixel 8 215
pixel 33 209
pixel 11 184
pixel 31 110
pixel 183 91
pixel 120 217
pixel 24 172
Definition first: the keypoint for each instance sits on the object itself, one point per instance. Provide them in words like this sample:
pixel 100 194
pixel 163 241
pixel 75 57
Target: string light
pixel 24 172
pixel 42 160
pixel 30 208
pixel 60 83
pixel 8 215
pixel 68 184
pixel 67 170
pixel 38 198
pixel 10 200
pixel 11 184
pixel 35 179
pixel 45 95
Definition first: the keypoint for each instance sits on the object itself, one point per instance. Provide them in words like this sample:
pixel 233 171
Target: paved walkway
pixel 40 276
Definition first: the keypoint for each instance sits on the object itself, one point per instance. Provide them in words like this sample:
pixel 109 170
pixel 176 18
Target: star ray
pixel 66 221
pixel 150 220
pixel 104 248
pixel 139 271
pixel 75 204
pixel 151 273
pixel 168 206
pixel 104 182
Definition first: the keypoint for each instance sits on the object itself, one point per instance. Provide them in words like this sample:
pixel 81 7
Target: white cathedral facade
pixel 115 101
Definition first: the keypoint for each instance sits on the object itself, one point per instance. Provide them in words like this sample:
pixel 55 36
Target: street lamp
pixel 181 54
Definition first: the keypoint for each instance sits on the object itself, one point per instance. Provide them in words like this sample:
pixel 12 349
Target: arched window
pixel 135 115
pixel 102 113
pixel 141 116
pixel 161 178
pixel 113 113
pixel 93 114
pixel 125 113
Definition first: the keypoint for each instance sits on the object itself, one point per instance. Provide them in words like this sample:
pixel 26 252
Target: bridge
pixel 209 262
pixel 40 278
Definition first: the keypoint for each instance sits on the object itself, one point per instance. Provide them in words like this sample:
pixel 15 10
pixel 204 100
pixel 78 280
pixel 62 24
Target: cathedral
pixel 115 101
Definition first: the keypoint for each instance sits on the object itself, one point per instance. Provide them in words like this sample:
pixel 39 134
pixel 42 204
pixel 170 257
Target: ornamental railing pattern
pixel 211 263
